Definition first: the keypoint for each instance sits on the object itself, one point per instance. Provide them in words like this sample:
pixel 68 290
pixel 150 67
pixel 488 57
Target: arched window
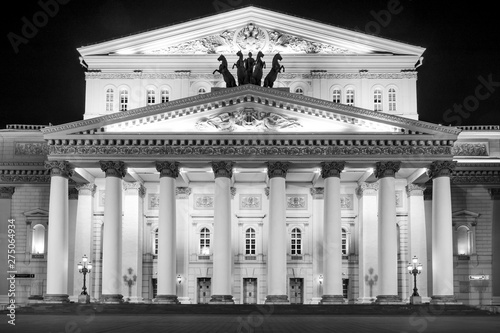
pixel 299 91
pixel 336 96
pixel 345 244
pixel 392 99
pixel 463 241
pixel 123 99
pixel 296 242
pixel 205 241
pixel 38 244
pixel 349 97
pixel 155 242
pixel 377 100
pixel 250 241
pixel 151 96
pixel 110 96
pixel 202 91
pixel 165 96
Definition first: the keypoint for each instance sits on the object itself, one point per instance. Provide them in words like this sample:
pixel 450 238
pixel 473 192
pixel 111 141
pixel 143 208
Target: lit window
pixel 349 97
pixel 202 91
pixel 151 96
pixel 392 99
pixel 165 96
pixel 205 241
pixel 344 242
pixel 377 100
pixel 38 244
pixel 336 96
pixel 155 242
pixel 299 91
pixel 463 240
pixel 250 241
pixel 123 100
pixel 296 242
pixel 110 94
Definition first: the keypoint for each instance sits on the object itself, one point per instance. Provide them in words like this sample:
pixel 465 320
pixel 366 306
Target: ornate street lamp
pixel 84 268
pixel 415 269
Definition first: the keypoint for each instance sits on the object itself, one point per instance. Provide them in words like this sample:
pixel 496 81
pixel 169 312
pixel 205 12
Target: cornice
pixel 471 177
pixel 25 176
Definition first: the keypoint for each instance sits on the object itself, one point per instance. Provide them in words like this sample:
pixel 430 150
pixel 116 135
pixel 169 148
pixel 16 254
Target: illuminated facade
pixel 318 190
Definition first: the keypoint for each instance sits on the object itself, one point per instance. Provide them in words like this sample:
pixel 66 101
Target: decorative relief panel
pixel 470 149
pixel 296 201
pixel 203 201
pixel 346 201
pixel 31 148
pixel 250 201
pixel 399 198
pixel 153 201
pixel 101 198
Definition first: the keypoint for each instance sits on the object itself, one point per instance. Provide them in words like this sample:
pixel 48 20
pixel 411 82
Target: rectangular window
pixel 349 97
pixel 377 100
pixel 123 100
pixel 151 97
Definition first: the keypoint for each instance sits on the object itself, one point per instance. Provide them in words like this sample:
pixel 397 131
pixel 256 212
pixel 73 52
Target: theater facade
pixel 183 186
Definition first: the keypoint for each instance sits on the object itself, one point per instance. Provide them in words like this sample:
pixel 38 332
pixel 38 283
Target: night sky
pixel 458 83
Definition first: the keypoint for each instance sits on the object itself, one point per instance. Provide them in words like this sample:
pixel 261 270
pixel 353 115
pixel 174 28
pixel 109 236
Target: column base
pixel 365 300
pixel 444 299
pixel 277 299
pixel 56 298
pixel 166 299
pixel 112 298
pixel 332 299
pixel 221 299
pixel 388 299
pixel 85 299
pixel 415 300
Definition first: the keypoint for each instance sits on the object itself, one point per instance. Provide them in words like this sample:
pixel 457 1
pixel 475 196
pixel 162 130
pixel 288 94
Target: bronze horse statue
pixel 226 74
pixel 241 70
pixel 273 73
pixel 257 71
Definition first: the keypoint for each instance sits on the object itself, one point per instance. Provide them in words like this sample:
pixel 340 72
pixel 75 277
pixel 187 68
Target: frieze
pixel 465 177
pixel 31 148
pixel 25 176
pixel 470 149
pixel 294 201
pixel 250 201
pixel 203 201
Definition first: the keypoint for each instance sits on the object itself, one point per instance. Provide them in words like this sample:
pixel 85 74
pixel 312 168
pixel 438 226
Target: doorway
pixel 296 288
pixel 249 291
pixel 204 290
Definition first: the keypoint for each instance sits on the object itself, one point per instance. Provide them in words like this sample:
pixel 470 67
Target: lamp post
pixel 415 269
pixel 84 267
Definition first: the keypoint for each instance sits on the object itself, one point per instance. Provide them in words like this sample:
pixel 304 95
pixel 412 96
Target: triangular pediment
pixel 251 109
pixel 250 29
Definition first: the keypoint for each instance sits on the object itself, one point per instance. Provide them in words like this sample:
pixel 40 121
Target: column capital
pixel 441 169
pixel 331 169
pixel 86 189
pixel 222 169
pixel 277 169
pixel 182 192
pixel 266 191
pixel 415 189
pixel 59 168
pixel 137 186
pixel 494 193
pixel 233 192
pixel 317 192
pixel 113 168
pixel 6 192
pixel 366 189
pixel 168 169
pixel 386 169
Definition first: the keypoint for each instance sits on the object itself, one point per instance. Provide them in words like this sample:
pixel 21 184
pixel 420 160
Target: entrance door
pixel 250 291
pixel 345 287
pixel 296 288
pixel 204 290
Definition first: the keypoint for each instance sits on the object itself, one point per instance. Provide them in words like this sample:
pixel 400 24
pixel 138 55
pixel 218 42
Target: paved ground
pixel 255 322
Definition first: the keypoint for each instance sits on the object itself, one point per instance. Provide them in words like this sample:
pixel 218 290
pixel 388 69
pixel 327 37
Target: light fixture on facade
pixel 415 269
pixel 320 279
pixel 179 278
pixel 84 267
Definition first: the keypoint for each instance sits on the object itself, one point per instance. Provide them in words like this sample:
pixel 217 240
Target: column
pixel 387 233
pixel 182 258
pixel 368 242
pixel 6 194
pixel 418 236
pixel 72 271
pixel 221 283
pixel 132 237
pixel 277 235
pixel 112 235
pixel 167 293
pixel 495 241
pixel 442 232
pixel 57 247
pixel 332 234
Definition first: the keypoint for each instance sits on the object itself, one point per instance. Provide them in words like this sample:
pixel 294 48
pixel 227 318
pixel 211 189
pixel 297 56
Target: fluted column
pixel 277 236
pixel 222 276
pixel 57 247
pixel 332 234
pixel 167 293
pixel 387 233
pixel 495 241
pixel 442 232
pixel 418 235
pixel 112 241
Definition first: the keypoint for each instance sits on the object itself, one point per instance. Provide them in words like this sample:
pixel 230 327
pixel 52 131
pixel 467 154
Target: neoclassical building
pixel 320 189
